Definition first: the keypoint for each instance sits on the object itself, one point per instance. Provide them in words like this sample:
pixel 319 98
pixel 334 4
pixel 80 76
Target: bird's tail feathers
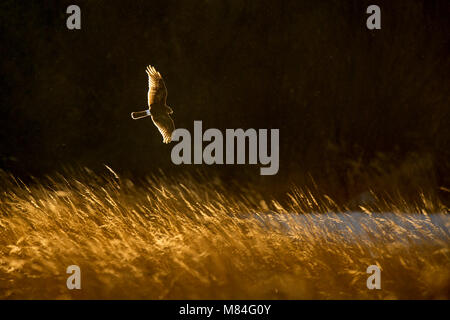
pixel 140 114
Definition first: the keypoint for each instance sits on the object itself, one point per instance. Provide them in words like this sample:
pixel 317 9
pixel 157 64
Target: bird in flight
pixel 157 107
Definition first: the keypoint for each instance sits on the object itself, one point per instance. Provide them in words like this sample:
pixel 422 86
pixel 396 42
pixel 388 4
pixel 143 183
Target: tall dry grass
pixel 196 238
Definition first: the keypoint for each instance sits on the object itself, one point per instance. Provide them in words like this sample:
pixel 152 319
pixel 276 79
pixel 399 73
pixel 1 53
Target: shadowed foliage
pixel 342 96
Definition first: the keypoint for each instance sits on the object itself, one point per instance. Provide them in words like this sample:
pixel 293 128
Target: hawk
pixel 157 107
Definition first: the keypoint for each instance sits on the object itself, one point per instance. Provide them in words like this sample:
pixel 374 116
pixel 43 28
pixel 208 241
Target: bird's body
pixel 157 107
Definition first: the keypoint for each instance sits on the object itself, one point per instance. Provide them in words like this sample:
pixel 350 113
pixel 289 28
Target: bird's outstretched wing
pixel 165 125
pixel 157 91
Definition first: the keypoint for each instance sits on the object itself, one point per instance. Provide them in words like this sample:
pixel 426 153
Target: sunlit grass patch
pixel 189 238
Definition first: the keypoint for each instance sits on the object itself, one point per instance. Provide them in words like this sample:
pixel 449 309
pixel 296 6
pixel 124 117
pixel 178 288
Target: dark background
pixel 354 106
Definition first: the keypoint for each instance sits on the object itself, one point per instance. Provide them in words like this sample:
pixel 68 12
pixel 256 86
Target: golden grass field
pixel 186 238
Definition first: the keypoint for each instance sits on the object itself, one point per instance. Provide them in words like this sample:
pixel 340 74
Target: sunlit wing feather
pixel 165 125
pixel 157 91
